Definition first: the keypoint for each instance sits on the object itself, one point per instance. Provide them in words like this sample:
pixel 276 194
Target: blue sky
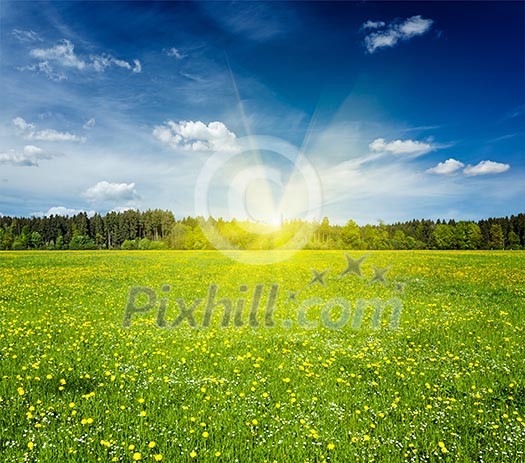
pixel 402 110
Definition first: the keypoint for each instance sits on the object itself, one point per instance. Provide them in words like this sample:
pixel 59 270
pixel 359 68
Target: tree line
pixel 159 229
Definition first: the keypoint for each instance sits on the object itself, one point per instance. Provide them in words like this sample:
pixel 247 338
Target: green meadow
pixel 448 384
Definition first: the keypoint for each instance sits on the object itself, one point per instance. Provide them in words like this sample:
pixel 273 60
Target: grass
pixel 448 385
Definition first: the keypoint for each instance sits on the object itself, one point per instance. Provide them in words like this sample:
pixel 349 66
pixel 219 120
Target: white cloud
pixel 32 149
pixel 63 55
pixel 17 159
pixel 196 136
pixel 395 32
pixel 380 40
pixel 174 52
pixel 122 209
pixel 447 167
pixel 516 112
pixel 137 67
pixel 258 21
pixel 111 192
pixel 101 62
pixel 63 211
pixel 90 123
pixel 46 134
pixel 44 68
pixel 373 24
pixel 401 147
pixel 55 135
pixel 451 166
pixel 22 124
pixel 29 157
pixel 414 26
pixel 486 168
pixel 25 36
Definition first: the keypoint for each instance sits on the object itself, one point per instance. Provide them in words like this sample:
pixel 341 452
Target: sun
pixel 276 221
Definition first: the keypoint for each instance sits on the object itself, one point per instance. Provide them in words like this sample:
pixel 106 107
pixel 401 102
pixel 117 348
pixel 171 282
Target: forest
pixel 159 229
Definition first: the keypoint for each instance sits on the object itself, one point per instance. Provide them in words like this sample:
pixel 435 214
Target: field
pixel 448 384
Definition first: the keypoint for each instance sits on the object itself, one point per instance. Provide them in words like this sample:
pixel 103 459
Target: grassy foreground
pixel 447 385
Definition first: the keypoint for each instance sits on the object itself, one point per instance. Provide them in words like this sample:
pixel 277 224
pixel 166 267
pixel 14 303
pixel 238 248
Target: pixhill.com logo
pixel 335 313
